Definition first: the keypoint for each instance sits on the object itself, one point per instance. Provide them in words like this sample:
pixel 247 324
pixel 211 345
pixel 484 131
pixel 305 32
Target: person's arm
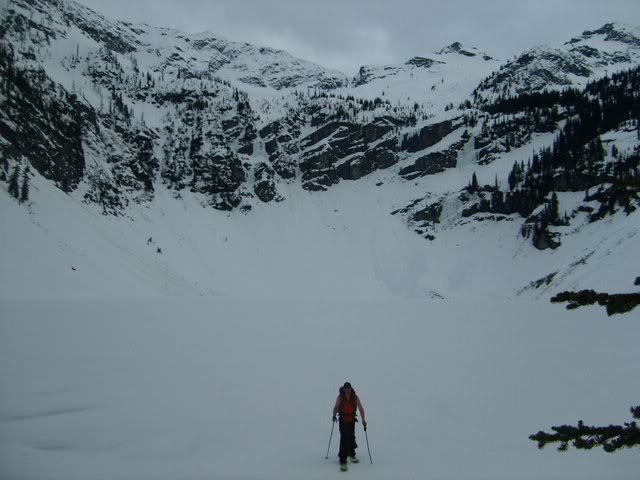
pixel 336 407
pixel 361 409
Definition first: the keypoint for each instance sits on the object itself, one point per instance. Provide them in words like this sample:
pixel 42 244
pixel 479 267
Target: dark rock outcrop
pixel 217 173
pixel 430 164
pixel 348 151
pixel 427 137
pixel 265 187
pixel 43 123
pixel 422 62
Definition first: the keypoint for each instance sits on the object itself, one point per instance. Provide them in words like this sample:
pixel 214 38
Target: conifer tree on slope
pixel 24 191
pixel 583 437
pixel 14 183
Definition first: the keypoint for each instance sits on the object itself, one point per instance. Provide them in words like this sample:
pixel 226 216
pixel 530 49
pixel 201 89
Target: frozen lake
pixel 223 388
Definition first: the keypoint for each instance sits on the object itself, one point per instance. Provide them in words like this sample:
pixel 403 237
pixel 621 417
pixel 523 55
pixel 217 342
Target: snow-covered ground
pixel 220 388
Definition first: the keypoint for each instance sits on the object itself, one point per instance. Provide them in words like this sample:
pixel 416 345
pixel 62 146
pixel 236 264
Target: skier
pixel 346 405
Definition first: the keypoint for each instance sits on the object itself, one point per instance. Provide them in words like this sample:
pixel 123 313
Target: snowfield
pixel 221 388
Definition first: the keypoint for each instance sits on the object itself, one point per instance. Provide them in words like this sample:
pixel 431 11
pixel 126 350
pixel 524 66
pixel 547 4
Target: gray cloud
pixel 345 34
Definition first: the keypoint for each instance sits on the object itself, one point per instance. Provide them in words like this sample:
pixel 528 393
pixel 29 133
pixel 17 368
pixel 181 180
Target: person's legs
pixel 353 444
pixel 345 441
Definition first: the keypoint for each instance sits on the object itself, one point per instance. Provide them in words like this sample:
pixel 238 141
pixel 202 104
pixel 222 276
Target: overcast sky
pixel 345 34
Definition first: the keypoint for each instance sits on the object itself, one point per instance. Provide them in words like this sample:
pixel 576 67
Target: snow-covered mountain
pixel 448 56
pixel 413 179
pixel 158 50
pixel 593 54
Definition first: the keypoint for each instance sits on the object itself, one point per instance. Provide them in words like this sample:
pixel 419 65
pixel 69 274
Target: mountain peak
pixel 455 47
pixel 458 48
pixel 611 32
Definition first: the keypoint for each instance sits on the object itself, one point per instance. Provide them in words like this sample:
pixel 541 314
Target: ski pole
pixel 330 436
pixel 368 449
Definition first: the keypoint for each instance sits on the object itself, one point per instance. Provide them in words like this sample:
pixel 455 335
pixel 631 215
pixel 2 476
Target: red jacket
pixel 347 407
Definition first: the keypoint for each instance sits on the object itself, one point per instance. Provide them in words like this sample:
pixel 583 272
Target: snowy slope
pixel 437 79
pixel 315 245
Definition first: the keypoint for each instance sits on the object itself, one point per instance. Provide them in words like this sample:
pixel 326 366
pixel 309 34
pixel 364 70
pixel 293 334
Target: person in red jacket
pixel 346 405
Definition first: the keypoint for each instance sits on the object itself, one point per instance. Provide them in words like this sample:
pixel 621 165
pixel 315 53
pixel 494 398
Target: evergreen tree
pixel 4 167
pixel 473 187
pixel 610 438
pixel 554 214
pixel 24 193
pixel 14 183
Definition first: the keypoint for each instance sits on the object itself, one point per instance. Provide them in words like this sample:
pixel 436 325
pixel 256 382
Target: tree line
pixel 576 159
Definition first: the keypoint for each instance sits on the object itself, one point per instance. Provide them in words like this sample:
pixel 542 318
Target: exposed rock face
pixel 348 151
pixel 612 33
pixel 422 62
pixel 557 60
pixel 365 75
pixel 459 49
pixel 423 215
pixel 217 173
pixel 430 164
pixel 280 143
pixel 542 240
pixel 383 155
pixel 42 123
pixel 541 237
pixel 456 47
pixel 360 165
pixel 143 164
pixel 427 137
pixel 430 214
pixel 116 36
pixel 265 186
